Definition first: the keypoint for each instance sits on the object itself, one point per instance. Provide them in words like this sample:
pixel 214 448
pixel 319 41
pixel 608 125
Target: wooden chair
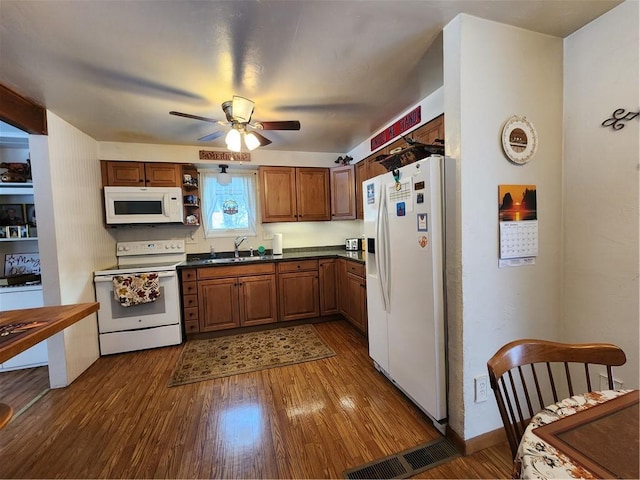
pixel 517 386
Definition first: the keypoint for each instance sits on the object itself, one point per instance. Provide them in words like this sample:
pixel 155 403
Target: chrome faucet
pixel 236 244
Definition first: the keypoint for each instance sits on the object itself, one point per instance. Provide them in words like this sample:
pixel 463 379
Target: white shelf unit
pixel 21 296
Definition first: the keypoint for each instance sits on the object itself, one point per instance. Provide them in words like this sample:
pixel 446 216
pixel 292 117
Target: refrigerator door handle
pixel 382 259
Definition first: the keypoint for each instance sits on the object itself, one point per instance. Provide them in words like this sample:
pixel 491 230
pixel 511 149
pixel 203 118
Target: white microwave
pixel 142 205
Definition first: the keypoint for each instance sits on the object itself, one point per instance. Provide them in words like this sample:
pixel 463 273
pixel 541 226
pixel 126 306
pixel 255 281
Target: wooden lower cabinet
pixel 230 297
pixel 298 293
pixel 352 293
pixel 225 297
pixel 328 279
pixel 257 297
pixel 219 304
pixel 356 308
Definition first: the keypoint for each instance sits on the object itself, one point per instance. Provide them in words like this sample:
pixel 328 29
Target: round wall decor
pixel 519 140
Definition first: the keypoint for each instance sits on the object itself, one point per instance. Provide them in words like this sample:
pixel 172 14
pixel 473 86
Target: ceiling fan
pixel 238 112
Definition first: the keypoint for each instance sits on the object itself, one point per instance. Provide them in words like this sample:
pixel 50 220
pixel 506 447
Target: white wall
pixel 295 234
pixel 600 264
pixel 72 241
pixel 491 72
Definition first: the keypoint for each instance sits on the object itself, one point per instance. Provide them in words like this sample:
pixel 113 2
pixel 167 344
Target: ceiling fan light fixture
pixel 242 109
pixel 251 141
pixel 223 177
pixel 233 140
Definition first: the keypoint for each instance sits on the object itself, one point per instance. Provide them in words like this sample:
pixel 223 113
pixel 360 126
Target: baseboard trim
pixel 475 444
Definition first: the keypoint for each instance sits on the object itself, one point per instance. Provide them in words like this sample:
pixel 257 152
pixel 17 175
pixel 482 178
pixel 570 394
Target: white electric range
pixel 148 325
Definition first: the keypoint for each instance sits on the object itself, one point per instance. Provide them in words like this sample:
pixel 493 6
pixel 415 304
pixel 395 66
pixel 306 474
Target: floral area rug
pixel 248 352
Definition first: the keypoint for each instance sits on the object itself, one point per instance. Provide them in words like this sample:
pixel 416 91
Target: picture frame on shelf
pixel 13 231
pixel 30 214
pixel 12 214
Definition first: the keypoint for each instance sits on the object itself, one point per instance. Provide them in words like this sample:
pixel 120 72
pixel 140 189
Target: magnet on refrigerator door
pixel 401 210
pixel 423 241
pixel 422 222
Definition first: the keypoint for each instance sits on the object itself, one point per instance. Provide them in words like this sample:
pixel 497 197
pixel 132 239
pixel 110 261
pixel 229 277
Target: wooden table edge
pixel 58 318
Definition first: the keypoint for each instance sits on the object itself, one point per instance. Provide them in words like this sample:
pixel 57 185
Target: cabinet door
pixel 218 304
pixel 258 303
pixel 125 174
pixel 354 311
pixel 162 175
pixel 343 193
pixel 298 293
pixel 312 188
pixel 361 176
pixel 341 282
pixel 362 311
pixel 328 286
pixel 278 194
pixel 430 132
pixel 375 168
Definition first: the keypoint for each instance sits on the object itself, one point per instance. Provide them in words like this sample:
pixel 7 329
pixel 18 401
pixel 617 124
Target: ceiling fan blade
pixel 264 141
pixel 196 117
pixel 211 136
pixel 282 125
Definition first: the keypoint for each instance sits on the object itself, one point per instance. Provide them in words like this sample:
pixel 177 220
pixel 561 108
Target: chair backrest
pixel 518 383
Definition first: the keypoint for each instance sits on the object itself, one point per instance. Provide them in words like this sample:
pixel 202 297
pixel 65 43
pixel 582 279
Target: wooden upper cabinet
pixel 430 132
pixel 162 175
pixel 140 174
pixel 375 168
pixel 124 174
pixel 292 194
pixel 343 193
pixel 312 187
pixel 278 194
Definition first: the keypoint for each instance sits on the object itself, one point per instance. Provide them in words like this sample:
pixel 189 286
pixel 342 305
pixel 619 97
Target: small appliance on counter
pixel 353 244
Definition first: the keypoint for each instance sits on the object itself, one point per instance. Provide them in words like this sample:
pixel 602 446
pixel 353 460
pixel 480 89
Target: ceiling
pixel 343 68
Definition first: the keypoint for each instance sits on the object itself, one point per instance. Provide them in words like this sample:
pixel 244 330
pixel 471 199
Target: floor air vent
pixel 406 464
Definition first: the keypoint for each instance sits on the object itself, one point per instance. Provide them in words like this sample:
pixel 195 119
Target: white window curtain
pixel 228 210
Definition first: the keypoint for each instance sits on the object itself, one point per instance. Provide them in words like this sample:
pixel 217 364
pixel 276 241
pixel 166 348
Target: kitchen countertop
pixel 226 258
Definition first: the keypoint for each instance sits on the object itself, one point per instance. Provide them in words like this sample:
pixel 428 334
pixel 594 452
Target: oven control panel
pixel 158 247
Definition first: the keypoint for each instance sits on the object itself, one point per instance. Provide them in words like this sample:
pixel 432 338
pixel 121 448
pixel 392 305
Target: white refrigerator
pixel 403 226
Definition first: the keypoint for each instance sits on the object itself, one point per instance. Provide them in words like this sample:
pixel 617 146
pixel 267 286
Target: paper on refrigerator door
pixel 398 192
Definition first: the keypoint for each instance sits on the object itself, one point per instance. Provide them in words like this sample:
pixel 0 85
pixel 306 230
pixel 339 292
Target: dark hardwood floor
pixel 312 420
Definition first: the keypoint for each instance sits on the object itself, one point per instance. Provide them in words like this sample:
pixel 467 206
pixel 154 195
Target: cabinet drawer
pixel 356 268
pixel 189 275
pixel 190 301
pixel 297 266
pixel 191 327
pixel 191 314
pixel 235 271
pixel 189 288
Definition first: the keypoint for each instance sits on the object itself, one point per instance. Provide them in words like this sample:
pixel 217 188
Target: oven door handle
pixel 109 278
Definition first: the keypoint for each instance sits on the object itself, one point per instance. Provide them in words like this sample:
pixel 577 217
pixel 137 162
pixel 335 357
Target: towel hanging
pixel 136 289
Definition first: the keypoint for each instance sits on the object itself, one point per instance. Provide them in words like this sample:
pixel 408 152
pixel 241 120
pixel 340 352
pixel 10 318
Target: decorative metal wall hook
pixel 618 117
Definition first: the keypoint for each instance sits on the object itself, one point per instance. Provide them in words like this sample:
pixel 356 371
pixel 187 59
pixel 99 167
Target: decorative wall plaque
pixel 519 140
pixel 225 156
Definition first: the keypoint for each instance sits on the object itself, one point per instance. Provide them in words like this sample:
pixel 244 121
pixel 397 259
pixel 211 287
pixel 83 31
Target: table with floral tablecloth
pixel 536 458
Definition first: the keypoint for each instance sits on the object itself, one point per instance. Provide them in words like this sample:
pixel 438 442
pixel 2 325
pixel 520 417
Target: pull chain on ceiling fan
pixel 238 112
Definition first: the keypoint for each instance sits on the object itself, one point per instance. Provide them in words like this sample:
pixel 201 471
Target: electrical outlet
pixel 604 383
pixel 267 235
pixel 481 385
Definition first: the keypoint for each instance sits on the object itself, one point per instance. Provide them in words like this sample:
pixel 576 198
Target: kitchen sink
pixel 235 259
